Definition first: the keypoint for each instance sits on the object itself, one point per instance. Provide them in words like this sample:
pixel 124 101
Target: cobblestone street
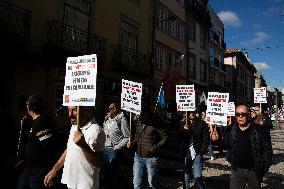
pixel 216 172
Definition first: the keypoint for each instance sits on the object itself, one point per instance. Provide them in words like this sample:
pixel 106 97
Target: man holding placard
pixel 148 140
pixel 84 154
pixel 85 148
pixel 196 140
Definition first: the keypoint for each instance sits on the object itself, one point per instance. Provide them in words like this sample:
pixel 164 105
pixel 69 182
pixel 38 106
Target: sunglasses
pixel 238 114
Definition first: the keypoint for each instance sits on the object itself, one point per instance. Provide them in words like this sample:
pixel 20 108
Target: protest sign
pixel 80 81
pixel 185 97
pixel 217 108
pixel 131 96
pixel 260 95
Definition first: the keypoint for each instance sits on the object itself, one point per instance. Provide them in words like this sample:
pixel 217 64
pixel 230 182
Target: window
pixel 162 15
pixel 203 71
pixel 212 53
pixel 161 58
pixel 77 14
pixel 192 66
pixel 220 59
pixel 191 30
pixel 129 36
pixel 202 38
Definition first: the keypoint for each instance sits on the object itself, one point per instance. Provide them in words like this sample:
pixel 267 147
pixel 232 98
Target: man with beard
pixel 84 154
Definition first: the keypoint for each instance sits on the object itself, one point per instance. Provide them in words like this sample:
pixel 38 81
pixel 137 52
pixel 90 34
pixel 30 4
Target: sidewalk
pixel 216 172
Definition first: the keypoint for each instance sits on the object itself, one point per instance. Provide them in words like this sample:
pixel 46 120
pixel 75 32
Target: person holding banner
pixel 84 154
pixel 117 132
pixel 251 151
pixel 262 119
pixel 148 140
pixel 196 140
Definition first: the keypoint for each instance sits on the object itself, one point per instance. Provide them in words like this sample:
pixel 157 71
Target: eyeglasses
pixel 238 114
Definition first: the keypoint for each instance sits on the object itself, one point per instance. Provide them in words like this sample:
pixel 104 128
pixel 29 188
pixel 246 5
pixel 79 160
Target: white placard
pixel 260 95
pixel 80 81
pixel 185 98
pixel 231 109
pixel 217 108
pixel 131 96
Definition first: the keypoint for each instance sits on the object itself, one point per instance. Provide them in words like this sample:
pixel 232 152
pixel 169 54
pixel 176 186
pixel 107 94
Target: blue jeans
pixel 193 170
pixel 111 162
pixel 31 178
pixel 138 169
pixel 210 150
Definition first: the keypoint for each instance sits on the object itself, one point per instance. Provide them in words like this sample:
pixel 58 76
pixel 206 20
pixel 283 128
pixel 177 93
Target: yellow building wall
pixel 43 11
pixel 106 22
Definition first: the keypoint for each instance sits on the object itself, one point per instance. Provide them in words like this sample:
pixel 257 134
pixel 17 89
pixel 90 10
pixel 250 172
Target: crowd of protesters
pixel 87 150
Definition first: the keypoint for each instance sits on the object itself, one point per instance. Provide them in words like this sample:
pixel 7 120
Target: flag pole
pixel 129 140
pixel 158 97
pixel 78 117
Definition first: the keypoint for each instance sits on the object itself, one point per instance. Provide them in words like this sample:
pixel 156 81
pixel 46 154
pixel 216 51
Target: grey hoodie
pixel 117 131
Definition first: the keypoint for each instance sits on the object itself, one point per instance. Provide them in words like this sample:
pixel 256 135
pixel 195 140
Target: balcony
pixel 70 39
pixel 14 23
pixel 200 9
pixel 127 59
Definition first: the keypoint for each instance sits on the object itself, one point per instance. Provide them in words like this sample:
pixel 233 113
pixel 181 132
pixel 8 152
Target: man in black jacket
pixel 148 140
pixel 39 150
pixel 251 151
pixel 195 144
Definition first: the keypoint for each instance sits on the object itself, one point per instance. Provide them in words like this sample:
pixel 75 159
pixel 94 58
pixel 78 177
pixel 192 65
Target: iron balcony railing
pixel 72 39
pixel 200 9
pixel 130 60
pixel 14 21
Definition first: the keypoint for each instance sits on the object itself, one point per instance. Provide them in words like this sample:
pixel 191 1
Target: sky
pixel 257 27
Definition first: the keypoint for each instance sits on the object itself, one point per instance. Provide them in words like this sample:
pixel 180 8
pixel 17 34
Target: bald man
pixel 251 151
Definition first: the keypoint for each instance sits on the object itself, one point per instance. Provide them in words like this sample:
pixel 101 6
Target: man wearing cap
pixel 196 140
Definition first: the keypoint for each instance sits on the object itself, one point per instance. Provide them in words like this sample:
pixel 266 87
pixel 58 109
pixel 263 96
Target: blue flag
pixel 161 98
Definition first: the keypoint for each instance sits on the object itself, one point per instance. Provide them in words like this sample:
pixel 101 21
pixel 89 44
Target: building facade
pixel 217 47
pixel 127 25
pixel 39 36
pixel 197 45
pixel 169 43
pixel 239 76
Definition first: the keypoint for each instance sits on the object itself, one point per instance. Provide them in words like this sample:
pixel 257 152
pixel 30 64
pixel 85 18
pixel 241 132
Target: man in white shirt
pixel 84 154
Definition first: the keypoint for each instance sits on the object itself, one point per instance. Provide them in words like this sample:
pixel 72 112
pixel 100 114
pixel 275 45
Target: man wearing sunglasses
pixel 251 151
pixel 117 132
